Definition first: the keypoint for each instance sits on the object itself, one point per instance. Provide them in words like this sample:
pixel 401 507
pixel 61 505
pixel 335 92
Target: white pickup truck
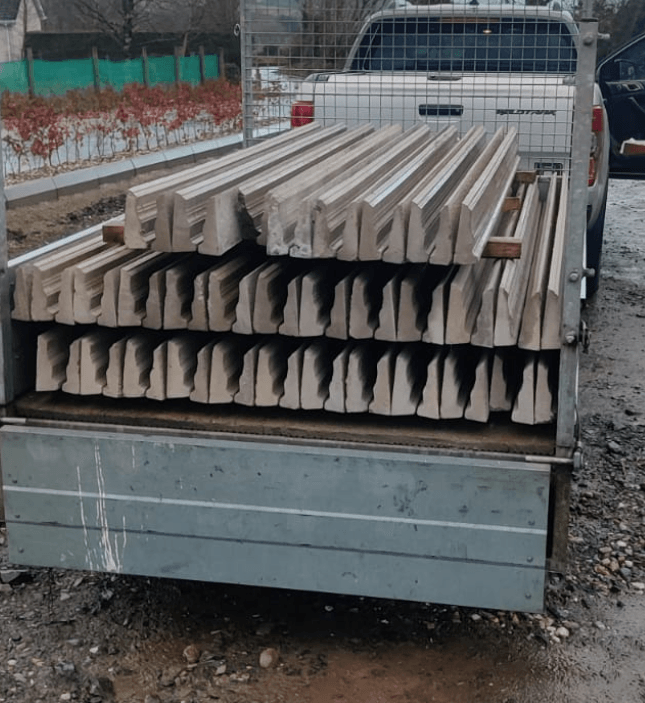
pixel 493 65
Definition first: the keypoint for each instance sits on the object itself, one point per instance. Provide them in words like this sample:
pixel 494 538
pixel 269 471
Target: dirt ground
pixel 101 638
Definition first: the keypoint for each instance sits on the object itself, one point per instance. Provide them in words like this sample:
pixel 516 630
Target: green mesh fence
pixel 57 77
pixel 118 74
pixel 161 70
pixel 13 77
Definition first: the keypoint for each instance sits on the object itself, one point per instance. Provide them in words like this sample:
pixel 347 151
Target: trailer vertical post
pixel 573 269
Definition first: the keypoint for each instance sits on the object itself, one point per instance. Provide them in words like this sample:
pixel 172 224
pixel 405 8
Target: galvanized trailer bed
pixel 468 515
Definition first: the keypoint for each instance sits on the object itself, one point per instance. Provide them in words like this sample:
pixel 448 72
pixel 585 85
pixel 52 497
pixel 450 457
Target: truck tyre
pixel 594 249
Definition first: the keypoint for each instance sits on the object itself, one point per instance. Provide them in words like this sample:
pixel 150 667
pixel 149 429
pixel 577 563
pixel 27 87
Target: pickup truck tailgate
pixel 539 106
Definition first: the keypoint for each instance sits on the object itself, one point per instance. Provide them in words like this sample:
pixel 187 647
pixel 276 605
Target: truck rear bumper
pixel 387 523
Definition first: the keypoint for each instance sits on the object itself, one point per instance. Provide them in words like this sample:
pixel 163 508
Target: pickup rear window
pixel 464 44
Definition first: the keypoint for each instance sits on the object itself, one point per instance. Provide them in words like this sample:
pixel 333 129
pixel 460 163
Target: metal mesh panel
pixel 461 64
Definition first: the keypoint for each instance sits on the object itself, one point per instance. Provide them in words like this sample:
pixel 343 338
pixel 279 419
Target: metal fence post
pixel 6 349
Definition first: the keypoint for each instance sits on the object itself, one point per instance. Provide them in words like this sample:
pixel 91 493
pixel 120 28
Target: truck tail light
pixel 302 113
pixel 597 124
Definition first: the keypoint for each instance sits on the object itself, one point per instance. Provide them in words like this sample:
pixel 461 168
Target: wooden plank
pixel 481 209
pixel 420 224
pixel 502 248
pixel 113 231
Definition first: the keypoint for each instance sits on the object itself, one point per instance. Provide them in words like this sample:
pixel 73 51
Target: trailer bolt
pixel 574 276
pixel 587 39
pixel 527 596
pixel 529 560
pixel 570 338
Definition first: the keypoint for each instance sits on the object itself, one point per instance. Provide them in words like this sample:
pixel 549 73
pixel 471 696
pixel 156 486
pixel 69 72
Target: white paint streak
pixel 112 559
pixel 86 539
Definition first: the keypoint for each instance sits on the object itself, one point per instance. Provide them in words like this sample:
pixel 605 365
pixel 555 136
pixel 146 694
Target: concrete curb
pixel 52 188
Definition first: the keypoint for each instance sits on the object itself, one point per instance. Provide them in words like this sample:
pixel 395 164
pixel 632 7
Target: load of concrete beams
pixel 376 271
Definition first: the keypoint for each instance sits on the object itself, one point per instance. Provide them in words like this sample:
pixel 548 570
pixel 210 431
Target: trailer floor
pixel 499 435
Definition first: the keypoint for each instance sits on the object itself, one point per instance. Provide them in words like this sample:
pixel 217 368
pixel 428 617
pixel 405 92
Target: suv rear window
pixel 462 44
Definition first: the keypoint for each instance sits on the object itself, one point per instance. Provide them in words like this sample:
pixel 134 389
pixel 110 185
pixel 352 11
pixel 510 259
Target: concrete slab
pixel 271 372
pixel 180 291
pixel 246 301
pixel 456 383
pixel 227 362
pixel 114 375
pixel 246 392
pixel 181 364
pixel 94 359
pixel 137 364
pixel 435 332
pixel 291 397
pixel 31 192
pixel 290 325
pixel 478 408
pixel 381 403
pixel 271 296
pixel 115 171
pixel 430 405
pixel 77 181
pixel 52 357
pixel 157 386
pixel 340 310
pixel 134 286
pixel 481 209
pixel 524 405
pixel 336 399
pixel 202 379
pixel 410 370
pixel 431 195
pixel 360 379
pixel 545 389
pixel 72 382
pixel 316 375
pixel 224 291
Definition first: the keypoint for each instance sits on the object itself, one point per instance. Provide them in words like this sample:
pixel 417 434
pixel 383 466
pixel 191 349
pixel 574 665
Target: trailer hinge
pixel 582 337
